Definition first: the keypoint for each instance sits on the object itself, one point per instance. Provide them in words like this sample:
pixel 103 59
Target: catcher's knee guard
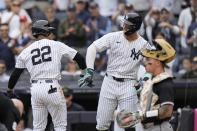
pixel 130 129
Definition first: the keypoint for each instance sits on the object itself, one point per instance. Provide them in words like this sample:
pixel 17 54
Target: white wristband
pixel 153 113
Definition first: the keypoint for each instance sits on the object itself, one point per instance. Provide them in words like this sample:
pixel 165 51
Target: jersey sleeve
pixel 103 43
pixel 166 92
pixel 20 62
pixel 67 51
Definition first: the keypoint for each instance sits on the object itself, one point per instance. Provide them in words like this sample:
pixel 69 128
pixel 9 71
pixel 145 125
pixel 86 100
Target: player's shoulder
pixel 167 83
pixel 116 33
pixel 142 40
pixel 113 35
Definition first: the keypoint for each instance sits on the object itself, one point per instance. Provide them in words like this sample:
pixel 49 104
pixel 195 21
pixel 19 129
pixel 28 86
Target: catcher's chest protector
pixel 147 92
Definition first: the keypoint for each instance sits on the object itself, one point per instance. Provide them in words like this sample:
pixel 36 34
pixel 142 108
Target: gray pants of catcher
pixel 165 126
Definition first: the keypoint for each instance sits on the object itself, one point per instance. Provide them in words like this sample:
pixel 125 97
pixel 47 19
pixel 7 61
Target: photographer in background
pixel 71 106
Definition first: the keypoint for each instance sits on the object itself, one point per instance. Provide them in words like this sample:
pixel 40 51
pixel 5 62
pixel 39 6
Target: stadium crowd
pixel 79 22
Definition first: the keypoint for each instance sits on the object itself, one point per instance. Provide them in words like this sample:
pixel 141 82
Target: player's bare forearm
pixel 165 111
pixel 14 77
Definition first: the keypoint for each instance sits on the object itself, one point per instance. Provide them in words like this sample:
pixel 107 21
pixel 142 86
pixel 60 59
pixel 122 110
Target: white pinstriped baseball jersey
pixel 42 59
pixel 124 56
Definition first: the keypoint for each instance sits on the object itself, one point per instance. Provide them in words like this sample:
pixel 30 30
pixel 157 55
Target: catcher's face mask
pixel 163 51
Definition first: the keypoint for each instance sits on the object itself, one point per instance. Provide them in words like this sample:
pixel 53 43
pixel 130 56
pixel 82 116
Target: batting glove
pixel 86 78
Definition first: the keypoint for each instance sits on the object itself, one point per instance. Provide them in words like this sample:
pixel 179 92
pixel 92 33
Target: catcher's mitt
pixel 127 119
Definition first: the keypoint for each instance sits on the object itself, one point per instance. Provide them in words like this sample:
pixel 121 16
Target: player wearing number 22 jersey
pixel 42 59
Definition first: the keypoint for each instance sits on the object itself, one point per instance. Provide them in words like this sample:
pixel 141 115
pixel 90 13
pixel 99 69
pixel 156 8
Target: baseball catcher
pixel 157 95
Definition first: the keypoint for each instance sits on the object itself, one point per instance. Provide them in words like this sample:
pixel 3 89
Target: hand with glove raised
pixel 86 78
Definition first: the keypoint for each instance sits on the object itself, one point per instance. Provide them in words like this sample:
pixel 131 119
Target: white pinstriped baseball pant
pixel 114 93
pixel 42 103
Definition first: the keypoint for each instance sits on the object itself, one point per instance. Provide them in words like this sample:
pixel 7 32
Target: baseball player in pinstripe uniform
pixel 123 64
pixel 43 61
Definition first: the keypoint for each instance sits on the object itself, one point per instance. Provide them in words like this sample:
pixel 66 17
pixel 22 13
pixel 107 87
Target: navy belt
pixel 47 81
pixel 119 79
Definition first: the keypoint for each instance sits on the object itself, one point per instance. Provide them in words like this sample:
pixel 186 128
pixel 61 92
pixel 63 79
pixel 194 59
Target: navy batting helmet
pixel 131 23
pixel 41 27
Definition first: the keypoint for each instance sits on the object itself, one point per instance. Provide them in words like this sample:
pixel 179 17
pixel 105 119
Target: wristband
pixel 152 114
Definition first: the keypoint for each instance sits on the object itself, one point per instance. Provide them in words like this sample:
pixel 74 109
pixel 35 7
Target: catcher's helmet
pixel 41 27
pixel 133 22
pixel 163 51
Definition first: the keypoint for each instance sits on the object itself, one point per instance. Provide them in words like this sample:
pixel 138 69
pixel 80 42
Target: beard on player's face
pixel 128 29
pixel 125 27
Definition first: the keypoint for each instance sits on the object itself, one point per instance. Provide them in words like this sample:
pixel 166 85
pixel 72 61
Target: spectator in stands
pixel 7 45
pixel 20 11
pixel 129 8
pixel 167 26
pixel 71 30
pixel 50 17
pixel 3 76
pixel 25 35
pixel 141 6
pixel 151 23
pixel 10 112
pixel 106 7
pixel 8 4
pixel 82 13
pixel 36 13
pixel 167 4
pixel 71 106
pixel 186 71
pixel 97 25
pixel 118 16
pixel 9 16
pixel 192 37
pixel 60 5
pixel 185 18
pixel 71 68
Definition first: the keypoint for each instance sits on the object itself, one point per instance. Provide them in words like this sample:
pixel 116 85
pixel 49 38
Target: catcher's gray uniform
pixel 165 126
